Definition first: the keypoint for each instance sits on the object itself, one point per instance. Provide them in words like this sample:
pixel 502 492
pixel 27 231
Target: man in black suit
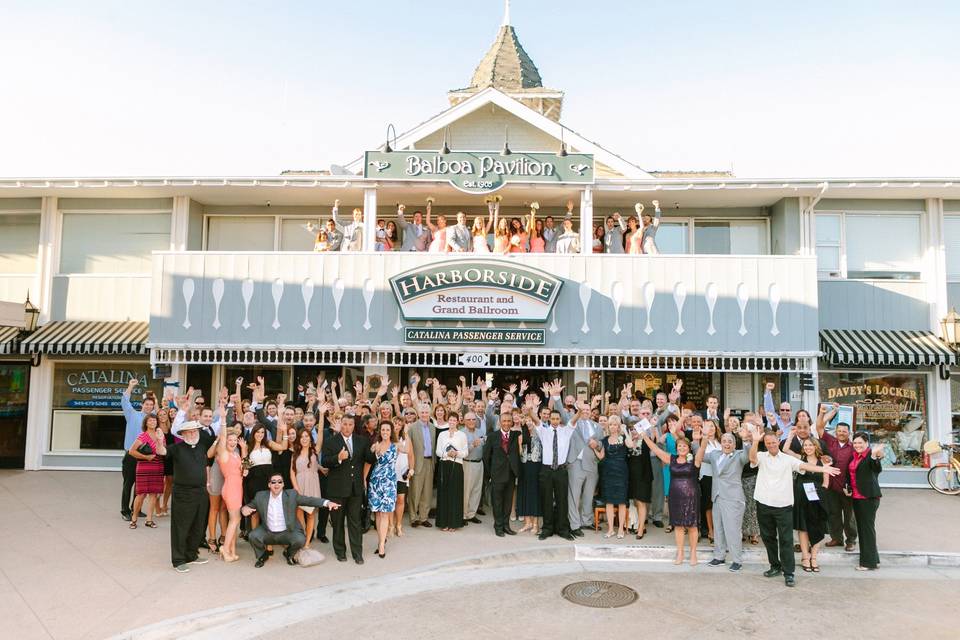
pixel 344 454
pixel 501 463
pixel 278 519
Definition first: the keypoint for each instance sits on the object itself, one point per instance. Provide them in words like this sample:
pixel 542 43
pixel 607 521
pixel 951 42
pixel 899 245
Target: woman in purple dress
pixel 684 499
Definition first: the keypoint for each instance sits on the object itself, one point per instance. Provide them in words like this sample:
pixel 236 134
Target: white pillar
pixel 369 219
pixel 39 415
pixel 935 275
pixel 48 256
pixel 179 223
pixel 812 398
pixel 586 221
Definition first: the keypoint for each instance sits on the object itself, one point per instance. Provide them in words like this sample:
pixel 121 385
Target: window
pixel 112 242
pixel 951 245
pixel 730 237
pixel 672 237
pixel 19 237
pixel 868 245
pixel 294 235
pixel 240 233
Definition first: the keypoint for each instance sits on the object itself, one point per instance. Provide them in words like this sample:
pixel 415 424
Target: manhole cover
pixel 599 594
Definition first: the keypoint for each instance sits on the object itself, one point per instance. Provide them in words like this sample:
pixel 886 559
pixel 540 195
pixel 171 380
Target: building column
pixel 39 415
pixel 811 399
pixel 935 275
pixel 179 223
pixel 369 219
pixel 48 256
pixel 586 221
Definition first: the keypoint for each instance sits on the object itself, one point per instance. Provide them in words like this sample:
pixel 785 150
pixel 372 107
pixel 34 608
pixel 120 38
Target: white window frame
pixel 693 223
pixel 80 274
pixel 955 215
pixel 278 219
pixel 843 274
pixel 25 212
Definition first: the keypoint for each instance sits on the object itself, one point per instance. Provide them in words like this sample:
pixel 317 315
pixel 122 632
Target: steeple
pixel 507 67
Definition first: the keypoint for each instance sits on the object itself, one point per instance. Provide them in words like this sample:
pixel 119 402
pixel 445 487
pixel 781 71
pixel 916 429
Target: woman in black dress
pixel 613 474
pixel 809 515
pixel 528 496
pixel 684 500
pixel 640 474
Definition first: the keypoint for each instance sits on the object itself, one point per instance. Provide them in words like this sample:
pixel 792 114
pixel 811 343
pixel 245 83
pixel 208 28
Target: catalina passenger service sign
pixel 476 290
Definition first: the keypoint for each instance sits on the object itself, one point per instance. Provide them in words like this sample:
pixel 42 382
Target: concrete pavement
pixel 71 569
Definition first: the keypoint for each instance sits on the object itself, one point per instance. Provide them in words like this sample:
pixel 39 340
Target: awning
pixel 8 340
pixel 860 347
pixel 74 338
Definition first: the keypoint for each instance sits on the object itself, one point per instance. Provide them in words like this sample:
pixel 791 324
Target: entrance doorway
pixel 14 387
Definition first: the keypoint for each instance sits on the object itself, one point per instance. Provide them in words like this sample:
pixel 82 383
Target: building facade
pixel 837 281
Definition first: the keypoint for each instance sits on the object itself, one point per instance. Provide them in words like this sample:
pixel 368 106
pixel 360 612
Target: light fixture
pixel 386 147
pixel 950 328
pixel 563 146
pixel 506 141
pixel 446 148
pixel 31 316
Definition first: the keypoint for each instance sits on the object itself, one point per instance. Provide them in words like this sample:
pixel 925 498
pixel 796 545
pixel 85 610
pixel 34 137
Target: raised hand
pixel 830 470
pixel 343 455
pixel 524 385
pixel 512 389
pixel 281 398
pixel 131 384
pixel 494 394
pixel 769 386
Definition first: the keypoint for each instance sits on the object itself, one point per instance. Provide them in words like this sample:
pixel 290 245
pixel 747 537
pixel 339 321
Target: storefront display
pixel 891 407
pixel 14 380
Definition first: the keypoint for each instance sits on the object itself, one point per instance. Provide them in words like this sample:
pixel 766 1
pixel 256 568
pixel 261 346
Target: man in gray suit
pixel 613 234
pixel 458 236
pixel 334 236
pixel 353 232
pixel 728 499
pixel 423 439
pixel 416 236
pixel 582 470
pixel 278 519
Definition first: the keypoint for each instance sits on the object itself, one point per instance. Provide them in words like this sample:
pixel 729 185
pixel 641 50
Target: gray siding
pixel 785 227
pixel 853 304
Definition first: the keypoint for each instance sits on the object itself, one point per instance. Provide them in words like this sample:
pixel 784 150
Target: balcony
pixel 606 304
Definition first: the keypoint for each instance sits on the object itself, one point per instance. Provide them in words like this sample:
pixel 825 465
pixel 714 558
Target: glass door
pixel 14 383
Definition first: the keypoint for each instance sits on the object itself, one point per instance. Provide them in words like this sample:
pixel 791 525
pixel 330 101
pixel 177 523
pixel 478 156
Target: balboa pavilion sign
pixel 476 290
pixel 479 171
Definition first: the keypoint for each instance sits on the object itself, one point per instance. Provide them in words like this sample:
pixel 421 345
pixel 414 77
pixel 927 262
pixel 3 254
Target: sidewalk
pixel 72 569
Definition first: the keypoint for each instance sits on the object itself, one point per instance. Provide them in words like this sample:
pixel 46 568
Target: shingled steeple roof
pixel 506 66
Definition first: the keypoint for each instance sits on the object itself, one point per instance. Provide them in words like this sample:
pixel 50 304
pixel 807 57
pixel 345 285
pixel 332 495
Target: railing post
pixel 369 219
pixel 586 221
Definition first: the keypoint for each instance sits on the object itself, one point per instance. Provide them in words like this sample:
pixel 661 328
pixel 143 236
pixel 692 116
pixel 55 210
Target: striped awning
pixel 861 347
pixel 8 340
pixel 75 338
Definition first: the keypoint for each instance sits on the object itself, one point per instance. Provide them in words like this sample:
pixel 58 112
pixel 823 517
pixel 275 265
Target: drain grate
pixel 599 594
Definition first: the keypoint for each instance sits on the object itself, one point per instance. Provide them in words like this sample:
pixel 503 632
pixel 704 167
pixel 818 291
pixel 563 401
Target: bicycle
pixel 944 477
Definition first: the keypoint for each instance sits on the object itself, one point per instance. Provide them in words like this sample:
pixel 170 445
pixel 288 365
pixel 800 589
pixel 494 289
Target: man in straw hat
pixel 188 516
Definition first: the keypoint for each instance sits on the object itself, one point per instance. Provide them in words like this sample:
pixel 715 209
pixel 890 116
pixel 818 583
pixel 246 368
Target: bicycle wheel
pixel 944 479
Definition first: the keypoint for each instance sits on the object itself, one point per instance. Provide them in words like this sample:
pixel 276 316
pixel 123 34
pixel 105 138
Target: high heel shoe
pixel 214 547
pixel 382 554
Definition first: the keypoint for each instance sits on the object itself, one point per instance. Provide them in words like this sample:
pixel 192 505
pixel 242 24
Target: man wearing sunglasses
pixel 782 418
pixel 278 519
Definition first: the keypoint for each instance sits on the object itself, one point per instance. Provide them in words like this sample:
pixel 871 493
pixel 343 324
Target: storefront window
pixel 892 408
pixel 86 404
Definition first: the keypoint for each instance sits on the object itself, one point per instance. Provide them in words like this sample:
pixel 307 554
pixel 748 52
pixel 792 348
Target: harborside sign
pixel 479 171
pixel 476 290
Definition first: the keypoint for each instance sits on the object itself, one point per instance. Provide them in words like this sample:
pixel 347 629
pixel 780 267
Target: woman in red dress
pixel 149 449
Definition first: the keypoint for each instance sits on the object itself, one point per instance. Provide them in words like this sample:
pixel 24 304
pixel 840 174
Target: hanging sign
pixel 446 335
pixel 476 290
pixel 479 171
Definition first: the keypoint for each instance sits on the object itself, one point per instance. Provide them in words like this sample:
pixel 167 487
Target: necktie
pixel 504 441
pixel 555 451
pixel 349 442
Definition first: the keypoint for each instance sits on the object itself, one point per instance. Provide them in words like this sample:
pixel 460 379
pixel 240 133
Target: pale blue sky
pixel 812 89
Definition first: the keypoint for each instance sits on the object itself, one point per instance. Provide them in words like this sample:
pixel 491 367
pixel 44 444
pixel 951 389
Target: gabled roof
pixel 491 95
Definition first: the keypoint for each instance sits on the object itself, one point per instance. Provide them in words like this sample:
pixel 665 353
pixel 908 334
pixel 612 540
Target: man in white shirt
pixel 353 232
pixel 416 236
pixel 458 236
pixel 554 482
pixel 774 496
pixel 569 240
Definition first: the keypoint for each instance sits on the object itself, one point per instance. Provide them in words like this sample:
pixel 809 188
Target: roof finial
pixel 506 13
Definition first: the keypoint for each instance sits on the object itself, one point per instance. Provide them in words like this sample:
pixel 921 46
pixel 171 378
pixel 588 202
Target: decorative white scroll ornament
pixel 277 291
pixel 711 295
pixel 246 290
pixel 188 286
pixel 585 293
pixel 367 299
pixel 217 287
pixel 306 290
pixel 742 297
pixel 398 325
pixel 773 294
pixel 649 293
pixel 679 297
pixel 616 294
pixel 337 297
pixel 553 322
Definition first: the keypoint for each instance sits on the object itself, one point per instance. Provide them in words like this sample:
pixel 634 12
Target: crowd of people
pixel 276 471
pixel 493 233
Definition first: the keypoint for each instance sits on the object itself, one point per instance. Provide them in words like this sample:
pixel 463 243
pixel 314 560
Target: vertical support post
pixel 369 219
pixel 586 221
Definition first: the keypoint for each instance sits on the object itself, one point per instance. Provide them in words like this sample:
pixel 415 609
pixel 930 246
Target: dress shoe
pixel 481 512
pixel 290 559
pixel 715 563
pixel 324 539
pixel 796 548
pixel 543 536
pixel 834 543
pixel 568 536
pixel 342 558
pixel 141 515
pixel 358 560
pixel 466 522
pixel 789 581
pixel 501 534
pixel 735 567
pixel 425 524
pixel 578 533
pixel 850 547
pixel 772 573
pixel 415 524
pixel 475 520
pixel 658 524
pixel 509 531
pixel 262 560
pixel 126 517
pixel 432 513
pixel 205 545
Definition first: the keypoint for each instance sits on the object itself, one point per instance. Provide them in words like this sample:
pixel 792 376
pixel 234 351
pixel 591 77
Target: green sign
pixel 426 335
pixel 479 171
pixel 476 290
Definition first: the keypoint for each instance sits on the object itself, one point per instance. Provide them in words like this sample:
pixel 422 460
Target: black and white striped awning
pixel 74 338
pixel 8 340
pixel 862 347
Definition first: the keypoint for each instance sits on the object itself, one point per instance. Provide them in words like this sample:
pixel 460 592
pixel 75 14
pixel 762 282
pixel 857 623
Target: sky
pixel 767 89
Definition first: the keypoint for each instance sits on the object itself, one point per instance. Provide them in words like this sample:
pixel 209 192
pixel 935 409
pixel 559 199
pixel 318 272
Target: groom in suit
pixel 501 463
pixel 344 454
pixel 278 519
pixel 728 499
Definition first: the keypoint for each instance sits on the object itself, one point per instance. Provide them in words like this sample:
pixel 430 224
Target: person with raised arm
pixel 613 231
pixel 352 232
pixel 481 228
pixel 441 241
pixel 231 493
pixel 727 498
pixel 132 431
pixel 837 445
pixel 459 237
pixel 535 231
pixel 148 449
pixel 774 496
pixel 651 224
pixel 864 488
pixel 416 236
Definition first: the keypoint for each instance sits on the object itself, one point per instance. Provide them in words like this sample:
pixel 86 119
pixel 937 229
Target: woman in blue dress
pixel 382 482
pixel 614 473
pixel 684 500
